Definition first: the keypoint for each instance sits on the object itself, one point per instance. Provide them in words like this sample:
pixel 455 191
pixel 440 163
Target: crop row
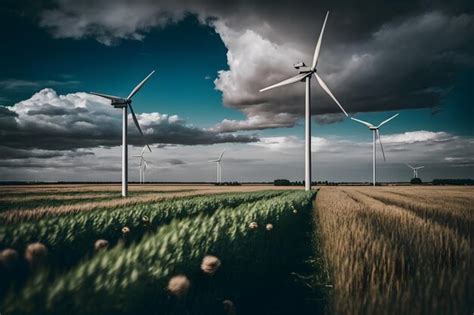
pixel 133 279
pixel 70 237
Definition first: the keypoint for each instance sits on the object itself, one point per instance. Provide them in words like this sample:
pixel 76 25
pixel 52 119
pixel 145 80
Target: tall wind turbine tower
pixel 143 163
pixel 218 168
pixel 375 135
pixel 305 74
pixel 124 104
pixel 415 170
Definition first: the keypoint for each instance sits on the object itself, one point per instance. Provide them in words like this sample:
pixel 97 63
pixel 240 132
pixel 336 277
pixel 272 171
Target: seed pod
pixel 101 245
pixel 269 227
pixel 125 230
pixel 36 255
pixel 179 285
pixel 210 264
pixel 253 225
pixel 9 258
pixel 229 307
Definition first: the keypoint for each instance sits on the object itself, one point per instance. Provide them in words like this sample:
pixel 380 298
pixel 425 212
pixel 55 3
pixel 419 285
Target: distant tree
pixel 464 181
pixel 416 181
pixel 281 182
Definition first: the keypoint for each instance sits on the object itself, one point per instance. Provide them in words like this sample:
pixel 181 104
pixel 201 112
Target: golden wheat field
pixel 398 250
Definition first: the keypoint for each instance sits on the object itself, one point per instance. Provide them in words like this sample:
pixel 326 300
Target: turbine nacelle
pixel 302 68
pixel 119 103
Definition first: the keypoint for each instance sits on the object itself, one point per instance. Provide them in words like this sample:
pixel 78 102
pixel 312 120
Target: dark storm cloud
pixel 52 122
pixel 375 56
pixel 174 161
pixel 15 153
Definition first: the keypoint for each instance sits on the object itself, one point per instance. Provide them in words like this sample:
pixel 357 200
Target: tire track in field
pixel 459 222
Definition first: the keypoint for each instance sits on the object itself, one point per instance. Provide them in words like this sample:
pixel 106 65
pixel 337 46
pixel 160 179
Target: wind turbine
pixel 415 170
pixel 143 163
pixel 305 74
pixel 219 167
pixel 124 104
pixel 376 134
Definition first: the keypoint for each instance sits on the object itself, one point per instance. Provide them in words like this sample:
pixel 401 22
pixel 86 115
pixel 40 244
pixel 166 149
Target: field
pixel 398 250
pixel 252 249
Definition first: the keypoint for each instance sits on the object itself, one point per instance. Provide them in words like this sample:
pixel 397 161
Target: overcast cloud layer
pixel 375 56
pixel 443 155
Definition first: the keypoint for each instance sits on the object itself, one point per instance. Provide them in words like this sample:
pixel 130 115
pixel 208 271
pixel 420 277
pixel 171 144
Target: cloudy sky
pixel 211 58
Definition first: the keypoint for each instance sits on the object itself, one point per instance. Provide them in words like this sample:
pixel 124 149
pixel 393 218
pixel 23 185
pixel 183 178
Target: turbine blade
pixel 135 119
pixel 380 141
pixel 291 80
pixel 146 146
pixel 220 156
pixel 387 120
pixel 363 122
pixel 110 97
pixel 419 167
pixel 139 86
pixel 326 89
pixel 410 166
pixel 318 45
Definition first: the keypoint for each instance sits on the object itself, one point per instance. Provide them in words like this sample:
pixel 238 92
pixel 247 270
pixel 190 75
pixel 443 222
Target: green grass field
pixel 262 240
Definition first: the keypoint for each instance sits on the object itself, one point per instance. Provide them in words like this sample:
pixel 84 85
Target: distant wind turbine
pixel 124 104
pixel 305 74
pixel 218 167
pixel 143 163
pixel 376 134
pixel 415 170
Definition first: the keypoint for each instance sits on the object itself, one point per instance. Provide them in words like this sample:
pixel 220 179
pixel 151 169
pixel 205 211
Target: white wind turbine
pixel 376 134
pixel 415 170
pixel 305 74
pixel 143 163
pixel 124 104
pixel 218 167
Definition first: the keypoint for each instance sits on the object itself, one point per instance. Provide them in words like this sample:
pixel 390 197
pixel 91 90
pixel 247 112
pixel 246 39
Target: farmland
pixel 199 249
pixel 398 250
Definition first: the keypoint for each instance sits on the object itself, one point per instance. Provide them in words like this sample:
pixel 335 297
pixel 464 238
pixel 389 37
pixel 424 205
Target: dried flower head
pixel 101 244
pixel 269 227
pixel 8 258
pixel 125 230
pixel 145 219
pixel 210 264
pixel 179 285
pixel 229 307
pixel 295 211
pixel 36 254
pixel 253 225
